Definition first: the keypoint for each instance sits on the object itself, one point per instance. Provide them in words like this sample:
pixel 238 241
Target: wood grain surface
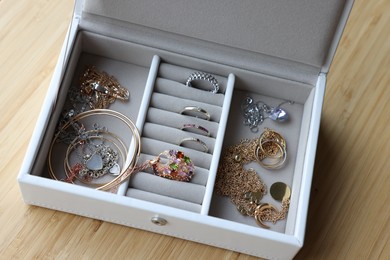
pixel 350 204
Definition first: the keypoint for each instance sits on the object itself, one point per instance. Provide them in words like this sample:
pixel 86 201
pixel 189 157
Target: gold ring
pixel 280 159
pixel 272 135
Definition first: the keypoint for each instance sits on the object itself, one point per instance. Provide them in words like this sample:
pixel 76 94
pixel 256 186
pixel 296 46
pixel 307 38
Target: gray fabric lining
pixel 176 105
pixel 175 120
pixel 173 135
pixel 186 191
pixel 131 75
pixel 155 147
pixel 180 74
pixel 155 198
pixel 97 49
pixel 162 130
pixel 305 29
pixel 172 46
pixel 180 90
pixel 246 77
pixel 290 130
pixel 200 176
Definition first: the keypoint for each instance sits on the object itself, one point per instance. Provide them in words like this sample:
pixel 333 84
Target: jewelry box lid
pixel 302 31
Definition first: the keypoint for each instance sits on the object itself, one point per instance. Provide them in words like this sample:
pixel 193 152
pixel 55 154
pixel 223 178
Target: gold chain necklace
pixel 244 187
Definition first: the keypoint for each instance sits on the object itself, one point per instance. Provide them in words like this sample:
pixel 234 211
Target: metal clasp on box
pixel 159 221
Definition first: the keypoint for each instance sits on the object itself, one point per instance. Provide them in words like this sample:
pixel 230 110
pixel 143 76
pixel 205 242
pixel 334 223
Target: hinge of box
pixel 74 23
pixel 77 9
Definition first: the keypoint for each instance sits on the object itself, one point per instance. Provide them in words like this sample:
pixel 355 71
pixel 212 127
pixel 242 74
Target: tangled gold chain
pixel 101 88
pixel 243 186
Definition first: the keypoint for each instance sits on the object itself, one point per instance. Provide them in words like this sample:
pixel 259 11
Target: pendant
pixel 278 114
pixel 95 163
pixel 280 191
pixel 115 169
pixel 256 112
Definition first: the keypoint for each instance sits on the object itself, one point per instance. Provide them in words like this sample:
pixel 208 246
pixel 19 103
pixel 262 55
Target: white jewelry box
pixel 273 51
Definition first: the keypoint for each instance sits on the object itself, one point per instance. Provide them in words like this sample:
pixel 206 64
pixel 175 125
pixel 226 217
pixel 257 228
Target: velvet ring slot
pixel 167 124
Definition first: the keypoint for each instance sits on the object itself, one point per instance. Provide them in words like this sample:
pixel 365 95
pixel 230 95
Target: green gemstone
pixel 187 159
pixel 174 166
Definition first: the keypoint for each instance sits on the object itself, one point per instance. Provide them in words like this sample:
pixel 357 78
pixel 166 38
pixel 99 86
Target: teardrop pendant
pixel 278 114
pixel 256 112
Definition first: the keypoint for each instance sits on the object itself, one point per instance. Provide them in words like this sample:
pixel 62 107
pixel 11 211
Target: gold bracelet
pixel 102 112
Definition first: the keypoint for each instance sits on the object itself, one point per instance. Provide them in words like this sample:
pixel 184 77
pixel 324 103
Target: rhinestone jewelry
pixel 96 90
pixel 256 112
pixel 203 76
pixel 95 157
pixel 99 162
pixel 170 164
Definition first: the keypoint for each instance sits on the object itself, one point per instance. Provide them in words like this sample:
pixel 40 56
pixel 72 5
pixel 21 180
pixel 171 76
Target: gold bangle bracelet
pixel 136 145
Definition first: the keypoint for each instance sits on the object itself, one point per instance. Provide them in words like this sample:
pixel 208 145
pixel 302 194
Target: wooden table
pixel 350 203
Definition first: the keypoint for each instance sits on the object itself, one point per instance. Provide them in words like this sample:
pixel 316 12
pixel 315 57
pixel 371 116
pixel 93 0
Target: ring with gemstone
pixel 195 112
pixel 173 165
pixel 203 76
pixel 197 129
pixel 189 141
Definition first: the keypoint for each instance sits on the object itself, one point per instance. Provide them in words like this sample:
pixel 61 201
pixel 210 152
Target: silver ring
pixel 194 140
pixel 203 76
pixel 197 129
pixel 196 112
